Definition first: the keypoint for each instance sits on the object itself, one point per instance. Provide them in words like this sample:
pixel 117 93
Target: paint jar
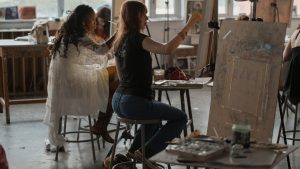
pixel 241 134
pixel 159 74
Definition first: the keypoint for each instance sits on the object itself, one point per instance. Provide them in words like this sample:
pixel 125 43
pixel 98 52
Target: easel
pixel 207 48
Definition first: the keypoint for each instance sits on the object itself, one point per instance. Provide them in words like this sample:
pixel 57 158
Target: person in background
pixel 133 97
pixel 292 53
pixel 103 17
pixel 78 81
pixel 102 32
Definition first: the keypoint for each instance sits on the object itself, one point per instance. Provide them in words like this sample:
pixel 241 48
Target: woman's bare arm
pixel 287 53
pixel 170 47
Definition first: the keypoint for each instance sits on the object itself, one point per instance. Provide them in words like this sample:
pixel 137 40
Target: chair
pixel 132 122
pixel 80 130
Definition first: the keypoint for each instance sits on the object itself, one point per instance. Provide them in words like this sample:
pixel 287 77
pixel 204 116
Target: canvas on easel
pixel 191 7
pixel 246 78
pixel 205 38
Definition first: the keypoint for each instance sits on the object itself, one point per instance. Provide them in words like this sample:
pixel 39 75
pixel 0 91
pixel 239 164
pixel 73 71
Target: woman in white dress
pixel 78 82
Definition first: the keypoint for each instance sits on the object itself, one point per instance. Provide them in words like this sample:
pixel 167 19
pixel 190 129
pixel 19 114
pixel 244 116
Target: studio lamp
pixel 254 2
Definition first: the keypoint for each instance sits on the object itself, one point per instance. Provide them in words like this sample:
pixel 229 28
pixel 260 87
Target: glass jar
pixel 241 134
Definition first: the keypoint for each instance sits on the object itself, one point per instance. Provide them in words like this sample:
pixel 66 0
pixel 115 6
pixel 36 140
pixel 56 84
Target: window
pixel 160 8
pixel 48 8
pixel 231 8
pixel 71 4
pixel 296 8
pixel 53 8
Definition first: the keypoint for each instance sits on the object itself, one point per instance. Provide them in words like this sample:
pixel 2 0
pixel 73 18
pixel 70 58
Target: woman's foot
pixel 100 127
pixel 99 130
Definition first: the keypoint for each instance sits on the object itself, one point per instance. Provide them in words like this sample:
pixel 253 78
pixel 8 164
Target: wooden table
pixel 23 70
pixel 168 158
pixel 171 85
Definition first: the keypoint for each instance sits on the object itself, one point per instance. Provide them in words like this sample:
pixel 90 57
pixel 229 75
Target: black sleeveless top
pixel 135 66
pixel 292 83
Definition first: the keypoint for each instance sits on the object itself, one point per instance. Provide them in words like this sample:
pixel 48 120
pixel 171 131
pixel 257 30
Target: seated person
pixel 133 97
pixel 78 81
pixel 292 53
pixel 102 32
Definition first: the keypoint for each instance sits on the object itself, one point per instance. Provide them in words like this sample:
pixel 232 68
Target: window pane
pixel 222 6
pixel 71 4
pixel 45 8
pixel 241 8
pixel 296 8
pixel 161 7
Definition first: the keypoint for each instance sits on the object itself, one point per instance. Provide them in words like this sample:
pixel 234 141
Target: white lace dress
pixel 77 85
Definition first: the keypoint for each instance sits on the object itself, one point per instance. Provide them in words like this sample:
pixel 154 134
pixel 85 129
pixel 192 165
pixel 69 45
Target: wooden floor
pixel 24 138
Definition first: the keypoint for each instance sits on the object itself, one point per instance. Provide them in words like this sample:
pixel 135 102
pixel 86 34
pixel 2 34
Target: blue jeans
pixel 157 135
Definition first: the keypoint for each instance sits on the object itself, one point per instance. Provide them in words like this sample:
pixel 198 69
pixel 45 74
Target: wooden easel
pixel 207 48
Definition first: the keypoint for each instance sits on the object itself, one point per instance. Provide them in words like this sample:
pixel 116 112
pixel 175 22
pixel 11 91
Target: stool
pixel 293 108
pixel 92 139
pixel 136 122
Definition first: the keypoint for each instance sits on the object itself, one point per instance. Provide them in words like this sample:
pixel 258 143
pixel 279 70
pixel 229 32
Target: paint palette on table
pixel 197 149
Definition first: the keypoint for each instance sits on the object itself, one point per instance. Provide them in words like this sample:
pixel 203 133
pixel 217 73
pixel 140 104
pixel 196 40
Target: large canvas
pixel 246 78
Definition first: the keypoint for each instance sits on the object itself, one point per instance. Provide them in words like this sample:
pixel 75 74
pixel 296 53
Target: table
pixel 23 70
pixel 168 158
pixel 185 50
pixel 182 87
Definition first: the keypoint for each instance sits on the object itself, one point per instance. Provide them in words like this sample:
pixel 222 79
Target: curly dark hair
pixel 104 12
pixel 72 29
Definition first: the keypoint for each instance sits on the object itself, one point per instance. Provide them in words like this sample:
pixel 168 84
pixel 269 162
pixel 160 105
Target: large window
pixel 231 8
pixel 53 8
pixel 160 8
pixel 71 4
pixel 296 8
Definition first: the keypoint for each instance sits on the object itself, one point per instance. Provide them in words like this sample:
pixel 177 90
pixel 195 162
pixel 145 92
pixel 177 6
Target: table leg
pixel 1 85
pixel 5 89
pixel 189 109
pixel 183 109
pixel 159 95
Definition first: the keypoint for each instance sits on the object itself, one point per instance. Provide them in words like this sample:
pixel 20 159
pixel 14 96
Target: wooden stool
pixel 92 139
pixel 136 122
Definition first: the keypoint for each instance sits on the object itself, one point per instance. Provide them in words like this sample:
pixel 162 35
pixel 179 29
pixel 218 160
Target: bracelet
pixel 182 35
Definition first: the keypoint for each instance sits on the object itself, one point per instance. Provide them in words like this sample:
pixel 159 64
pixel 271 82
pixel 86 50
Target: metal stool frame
pixel 136 122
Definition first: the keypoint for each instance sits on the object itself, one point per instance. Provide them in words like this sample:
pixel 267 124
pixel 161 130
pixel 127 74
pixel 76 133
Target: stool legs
pixel 114 146
pixel 282 125
pixel 92 139
pixel 64 133
pixel 59 132
pixel 295 124
pixel 143 145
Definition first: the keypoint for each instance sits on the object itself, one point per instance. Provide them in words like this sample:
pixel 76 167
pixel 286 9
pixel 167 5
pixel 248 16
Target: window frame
pixel 152 10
